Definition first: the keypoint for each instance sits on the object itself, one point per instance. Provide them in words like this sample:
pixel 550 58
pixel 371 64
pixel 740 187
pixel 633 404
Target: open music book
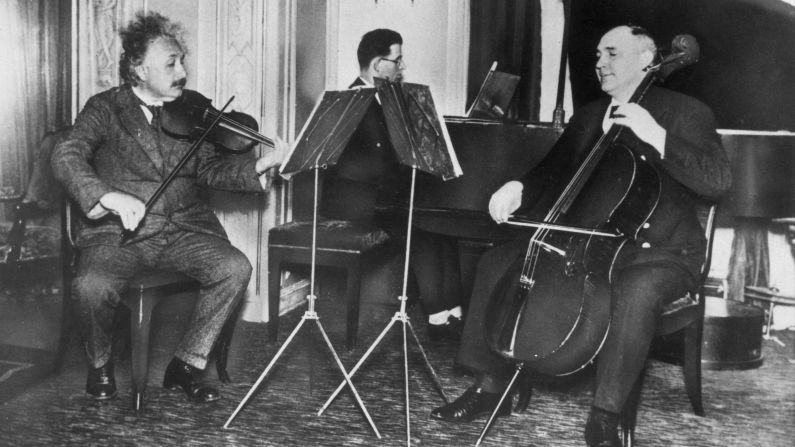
pixel 416 129
pixel 494 96
pixel 328 129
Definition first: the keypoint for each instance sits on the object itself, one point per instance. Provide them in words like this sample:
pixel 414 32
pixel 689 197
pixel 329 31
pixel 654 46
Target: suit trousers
pixel 435 264
pixel 104 271
pixel 638 294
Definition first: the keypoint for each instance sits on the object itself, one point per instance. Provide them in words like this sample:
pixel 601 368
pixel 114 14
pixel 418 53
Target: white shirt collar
pixel 146 103
pixel 607 122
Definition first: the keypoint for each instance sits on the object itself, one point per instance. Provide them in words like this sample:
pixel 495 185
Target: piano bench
pixel 341 244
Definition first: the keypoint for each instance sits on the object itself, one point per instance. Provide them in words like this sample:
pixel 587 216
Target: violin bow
pixel 127 234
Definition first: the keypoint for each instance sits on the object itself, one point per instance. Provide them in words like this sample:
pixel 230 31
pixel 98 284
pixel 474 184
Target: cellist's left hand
pixel 640 121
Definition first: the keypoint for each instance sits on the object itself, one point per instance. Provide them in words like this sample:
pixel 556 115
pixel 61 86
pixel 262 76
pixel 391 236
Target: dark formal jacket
pixel 112 147
pixel 366 172
pixel 694 168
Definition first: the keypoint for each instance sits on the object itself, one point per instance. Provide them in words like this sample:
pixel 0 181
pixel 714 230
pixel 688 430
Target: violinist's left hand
pixel 640 121
pixel 271 159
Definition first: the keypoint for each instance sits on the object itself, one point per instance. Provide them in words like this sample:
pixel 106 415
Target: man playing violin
pixel 677 134
pixel 114 158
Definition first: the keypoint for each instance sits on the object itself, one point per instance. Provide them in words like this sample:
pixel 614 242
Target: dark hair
pixel 376 43
pixel 138 35
pixel 648 40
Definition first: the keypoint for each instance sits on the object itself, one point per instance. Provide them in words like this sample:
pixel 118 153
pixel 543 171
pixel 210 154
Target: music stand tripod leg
pixel 401 316
pixel 347 378
pixel 358 364
pixel 309 314
pixel 265 373
pixel 434 377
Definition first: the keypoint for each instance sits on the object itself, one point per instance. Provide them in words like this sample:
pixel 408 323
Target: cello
pixel 550 311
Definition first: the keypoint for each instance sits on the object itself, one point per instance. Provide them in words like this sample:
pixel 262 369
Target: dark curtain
pixel 746 69
pixel 507 31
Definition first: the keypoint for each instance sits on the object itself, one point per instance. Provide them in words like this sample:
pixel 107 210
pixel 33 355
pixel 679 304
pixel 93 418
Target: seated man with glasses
pixel 368 171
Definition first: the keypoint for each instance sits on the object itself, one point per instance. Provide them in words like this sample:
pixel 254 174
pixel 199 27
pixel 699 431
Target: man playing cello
pixel 677 135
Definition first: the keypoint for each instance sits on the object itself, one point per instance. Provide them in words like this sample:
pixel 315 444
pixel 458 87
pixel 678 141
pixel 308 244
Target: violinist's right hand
pixel 129 208
pixel 266 165
pixel 273 158
pixel 505 201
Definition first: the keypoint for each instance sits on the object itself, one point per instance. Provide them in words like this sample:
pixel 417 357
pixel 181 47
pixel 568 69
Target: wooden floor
pixel 743 408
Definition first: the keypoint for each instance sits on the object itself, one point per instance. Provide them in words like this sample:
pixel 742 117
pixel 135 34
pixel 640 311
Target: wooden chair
pixel 146 290
pixel 685 314
pixel 29 250
pixel 341 244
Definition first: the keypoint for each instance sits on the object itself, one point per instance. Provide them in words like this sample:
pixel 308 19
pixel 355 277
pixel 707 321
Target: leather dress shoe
pixel 471 405
pixel 449 331
pixel 601 430
pixel 181 376
pixel 101 383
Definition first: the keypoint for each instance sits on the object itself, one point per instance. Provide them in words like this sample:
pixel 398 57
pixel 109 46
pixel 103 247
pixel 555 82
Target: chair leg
pixel 274 288
pixel 66 326
pixel 629 415
pixel 68 260
pixel 691 365
pixel 222 345
pixel 352 298
pixel 140 326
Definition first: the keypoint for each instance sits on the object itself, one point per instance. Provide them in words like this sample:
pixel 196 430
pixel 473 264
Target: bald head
pixel 622 54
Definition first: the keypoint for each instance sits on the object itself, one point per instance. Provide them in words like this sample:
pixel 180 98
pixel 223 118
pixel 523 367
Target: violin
pixel 188 116
pixel 550 311
pixel 192 118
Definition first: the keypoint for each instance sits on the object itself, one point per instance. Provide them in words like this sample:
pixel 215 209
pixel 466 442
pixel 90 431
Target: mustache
pixel 180 83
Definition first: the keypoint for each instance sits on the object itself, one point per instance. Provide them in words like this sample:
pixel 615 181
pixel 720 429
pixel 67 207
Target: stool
pixel 340 243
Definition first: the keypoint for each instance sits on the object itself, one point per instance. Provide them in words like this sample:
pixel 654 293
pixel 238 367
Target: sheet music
pixel 325 134
pixel 416 129
pixel 495 95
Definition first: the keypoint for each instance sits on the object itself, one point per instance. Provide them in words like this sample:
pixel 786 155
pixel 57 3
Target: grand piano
pixel 490 154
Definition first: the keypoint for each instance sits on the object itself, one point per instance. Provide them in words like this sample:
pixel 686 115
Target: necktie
pixel 155 116
pixel 613 111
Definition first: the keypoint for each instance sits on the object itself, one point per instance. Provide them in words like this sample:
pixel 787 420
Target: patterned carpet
pixel 744 408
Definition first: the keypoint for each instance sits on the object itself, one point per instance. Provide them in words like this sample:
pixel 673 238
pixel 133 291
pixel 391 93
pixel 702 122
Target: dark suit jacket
pixel 113 148
pixel 695 167
pixel 366 172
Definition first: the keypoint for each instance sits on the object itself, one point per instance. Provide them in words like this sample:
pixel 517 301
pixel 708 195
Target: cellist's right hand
pixel 129 208
pixel 505 201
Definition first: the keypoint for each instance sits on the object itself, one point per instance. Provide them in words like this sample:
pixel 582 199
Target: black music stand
pixel 420 139
pixel 320 144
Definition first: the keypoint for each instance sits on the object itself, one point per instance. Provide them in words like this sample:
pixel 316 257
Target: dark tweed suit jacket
pixel 113 148
pixel 695 167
